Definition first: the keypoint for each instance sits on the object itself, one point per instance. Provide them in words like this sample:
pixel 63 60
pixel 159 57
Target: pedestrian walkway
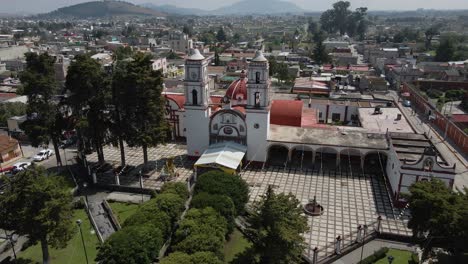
pixel 420 124
pixel 368 249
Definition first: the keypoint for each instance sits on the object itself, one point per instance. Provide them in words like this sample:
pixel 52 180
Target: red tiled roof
pixel 7 143
pixel 216 99
pixel 179 99
pixel 344 68
pixel 460 118
pixel 286 112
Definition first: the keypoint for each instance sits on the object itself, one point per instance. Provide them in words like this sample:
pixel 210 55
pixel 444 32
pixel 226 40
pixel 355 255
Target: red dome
pixel 237 91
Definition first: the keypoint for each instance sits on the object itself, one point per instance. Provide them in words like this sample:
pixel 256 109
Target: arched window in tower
pixel 194 97
pixel 257 99
pixel 257 77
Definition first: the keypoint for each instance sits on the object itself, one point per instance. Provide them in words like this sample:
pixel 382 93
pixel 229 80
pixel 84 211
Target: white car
pixel 43 155
pixel 20 166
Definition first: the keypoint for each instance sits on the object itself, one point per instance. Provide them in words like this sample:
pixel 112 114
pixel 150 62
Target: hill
pixel 175 10
pixel 103 9
pixel 262 7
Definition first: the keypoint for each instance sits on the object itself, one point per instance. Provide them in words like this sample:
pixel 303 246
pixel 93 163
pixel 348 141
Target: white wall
pixel 197 130
pixel 257 137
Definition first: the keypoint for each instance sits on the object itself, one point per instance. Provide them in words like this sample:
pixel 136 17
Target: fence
pixel 452 131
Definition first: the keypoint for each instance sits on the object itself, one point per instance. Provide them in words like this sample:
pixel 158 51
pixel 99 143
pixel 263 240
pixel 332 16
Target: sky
pixel 41 6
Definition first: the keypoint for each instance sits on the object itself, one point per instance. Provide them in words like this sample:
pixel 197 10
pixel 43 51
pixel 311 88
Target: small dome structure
pixel 195 55
pixel 259 57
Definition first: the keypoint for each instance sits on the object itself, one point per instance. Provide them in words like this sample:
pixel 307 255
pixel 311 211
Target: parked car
pixel 406 103
pixel 20 166
pixel 43 155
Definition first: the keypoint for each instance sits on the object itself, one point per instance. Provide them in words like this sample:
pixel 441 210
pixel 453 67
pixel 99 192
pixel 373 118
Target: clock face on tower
pixel 193 75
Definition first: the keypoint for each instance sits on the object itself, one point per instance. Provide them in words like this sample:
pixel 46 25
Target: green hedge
pixel 233 186
pixel 379 254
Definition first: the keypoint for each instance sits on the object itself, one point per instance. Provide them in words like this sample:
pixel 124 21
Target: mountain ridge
pixel 103 9
pixel 243 7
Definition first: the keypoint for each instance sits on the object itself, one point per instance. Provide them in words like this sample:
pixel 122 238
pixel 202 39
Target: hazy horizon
pixel 42 6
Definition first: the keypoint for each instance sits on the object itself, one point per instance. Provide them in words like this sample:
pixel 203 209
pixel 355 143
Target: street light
pixel 78 222
pixel 363 241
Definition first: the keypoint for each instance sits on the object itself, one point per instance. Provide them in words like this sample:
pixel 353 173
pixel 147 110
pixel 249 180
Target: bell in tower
pixel 258 82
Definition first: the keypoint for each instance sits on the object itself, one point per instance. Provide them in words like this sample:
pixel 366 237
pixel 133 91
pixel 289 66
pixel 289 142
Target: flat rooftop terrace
pixel 387 120
pixel 327 137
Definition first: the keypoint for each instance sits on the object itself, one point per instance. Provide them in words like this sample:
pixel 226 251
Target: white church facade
pixel 248 126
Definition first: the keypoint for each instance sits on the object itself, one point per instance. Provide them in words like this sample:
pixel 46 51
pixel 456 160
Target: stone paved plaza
pixel 349 199
pixel 157 159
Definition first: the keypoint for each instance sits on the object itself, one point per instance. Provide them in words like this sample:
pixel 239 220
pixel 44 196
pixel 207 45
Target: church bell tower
pixel 197 99
pixel 258 108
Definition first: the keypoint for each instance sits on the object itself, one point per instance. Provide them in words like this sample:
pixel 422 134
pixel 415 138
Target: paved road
pixel 446 148
pixel 101 217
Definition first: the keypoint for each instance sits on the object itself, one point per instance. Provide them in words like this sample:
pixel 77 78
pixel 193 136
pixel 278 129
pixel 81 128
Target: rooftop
pixel 386 120
pixel 327 137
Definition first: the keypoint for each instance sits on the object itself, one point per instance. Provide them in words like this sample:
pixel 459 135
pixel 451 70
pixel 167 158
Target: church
pixel 252 125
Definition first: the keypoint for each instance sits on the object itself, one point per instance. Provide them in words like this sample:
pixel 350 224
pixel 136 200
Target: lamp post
pixel 78 222
pixel 363 241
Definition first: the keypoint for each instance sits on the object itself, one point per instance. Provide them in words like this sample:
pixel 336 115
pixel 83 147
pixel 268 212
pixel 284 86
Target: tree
pixel 90 95
pixel 341 19
pixel 159 220
pixel 430 33
pixel 221 203
pixel 201 230
pixel 327 21
pixel 216 58
pixel 221 35
pixel 197 258
pixel 188 29
pixel 341 12
pixel 320 54
pixel 233 186
pixel 169 203
pixel 276 226
pixel 312 27
pixel 139 89
pixel 437 212
pixel 44 121
pixel 8 110
pixel 38 206
pixel 122 53
pixel 445 51
pixel 135 245
pixel 178 188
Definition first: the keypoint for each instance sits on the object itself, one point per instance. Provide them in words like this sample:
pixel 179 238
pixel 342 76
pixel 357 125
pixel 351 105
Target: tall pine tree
pixel 44 120
pixel 90 96
pixel 144 110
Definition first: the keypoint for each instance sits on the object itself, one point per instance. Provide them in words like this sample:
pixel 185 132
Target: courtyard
pixel 351 196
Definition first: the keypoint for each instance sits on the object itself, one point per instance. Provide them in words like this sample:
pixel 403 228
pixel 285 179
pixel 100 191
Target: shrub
pixel 217 182
pixel 178 188
pixel 434 93
pixel 221 203
pixel 201 230
pixel 169 203
pixel 136 244
pixel 455 94
pixel 159 220
pixel 197 258
pixel 414 258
